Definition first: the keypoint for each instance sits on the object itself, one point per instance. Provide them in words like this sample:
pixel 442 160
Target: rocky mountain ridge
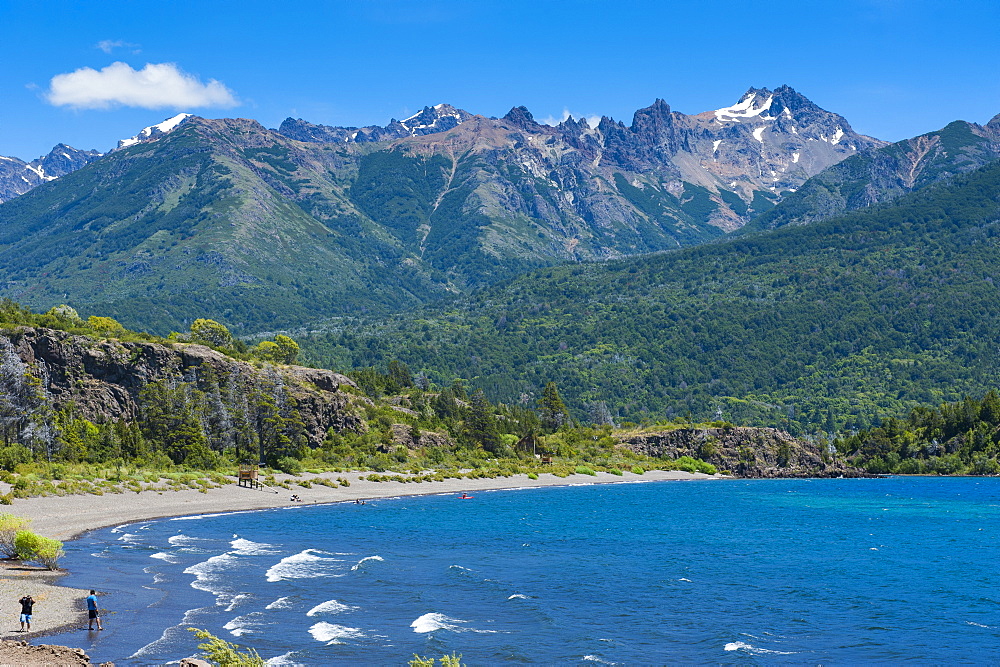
pixel 888 172
pixel 766 144
pixel 267 231
pixel 18 177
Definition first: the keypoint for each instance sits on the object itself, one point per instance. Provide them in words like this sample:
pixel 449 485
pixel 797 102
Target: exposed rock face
pixel 881 175
pixel 18 177
pixel 769 141
pixel 439 118
pixel 103 377
pixel 742 451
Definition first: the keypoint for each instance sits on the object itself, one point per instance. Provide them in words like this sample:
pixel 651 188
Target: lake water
pixel 730 571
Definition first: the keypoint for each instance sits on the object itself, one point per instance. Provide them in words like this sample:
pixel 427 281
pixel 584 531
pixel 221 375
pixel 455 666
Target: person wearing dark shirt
pixel 26 604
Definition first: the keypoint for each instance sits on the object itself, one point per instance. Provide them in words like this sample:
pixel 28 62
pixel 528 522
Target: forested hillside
pixel 828 326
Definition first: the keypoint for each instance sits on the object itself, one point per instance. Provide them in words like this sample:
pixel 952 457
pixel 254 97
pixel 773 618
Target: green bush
pixel 220 652
pixel 33 547
pixel 532 475
pixel 637 470
pixel 584 470
pixel 10 525
pixel 616 471
pixel 287 464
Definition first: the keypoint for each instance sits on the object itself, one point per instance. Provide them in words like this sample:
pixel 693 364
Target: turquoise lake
pixel 716 571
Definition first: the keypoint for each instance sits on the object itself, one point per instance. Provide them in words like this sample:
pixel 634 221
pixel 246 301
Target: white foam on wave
pixel 281 603
pixel 594 658
pixel 518 596
pixel 181 540
pixel 170 636
pixel 364 560
pixel 245 625
pixel 169 558
pixel 330 607
pixel 283 659
pixel 434 621
pixel 685 579
pixel 209 573
pixel 244 547
pixel 755 650
pixel 980 625
pixel 129 538
pixel 238 600
pixel 303 565
pixel 210 516
pixel 131 526
pixel 334 634
pixel 459 567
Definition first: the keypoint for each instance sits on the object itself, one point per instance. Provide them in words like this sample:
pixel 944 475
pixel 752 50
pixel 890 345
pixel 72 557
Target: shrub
pixel 39 549
pixel 10 525
pixel 584 470
pixel 532 475
pixel 287 464
pixel 220 652
pixel 637 470
pixel 616 471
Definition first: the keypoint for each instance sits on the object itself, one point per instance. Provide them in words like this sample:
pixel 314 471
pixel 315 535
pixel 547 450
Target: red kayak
pixel 466 497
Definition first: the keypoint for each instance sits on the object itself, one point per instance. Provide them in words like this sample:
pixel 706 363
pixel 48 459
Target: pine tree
pixel 553 411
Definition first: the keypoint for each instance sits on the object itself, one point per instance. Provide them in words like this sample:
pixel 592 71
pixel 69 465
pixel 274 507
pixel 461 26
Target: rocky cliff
pixel 102 378
pixel 741 451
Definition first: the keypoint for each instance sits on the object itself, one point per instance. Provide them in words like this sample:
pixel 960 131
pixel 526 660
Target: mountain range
pixel 269 228
pixel 860 281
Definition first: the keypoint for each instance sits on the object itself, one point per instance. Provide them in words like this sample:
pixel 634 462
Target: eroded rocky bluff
pixel 741 451
pixel 102 378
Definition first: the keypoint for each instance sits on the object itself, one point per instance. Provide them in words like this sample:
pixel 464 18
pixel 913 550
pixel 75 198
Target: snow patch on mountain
pixel 154 131
pixel 744 109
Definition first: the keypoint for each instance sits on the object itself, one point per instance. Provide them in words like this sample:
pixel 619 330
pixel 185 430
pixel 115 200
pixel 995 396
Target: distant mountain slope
pixel 201 222
pixel 885 173
pixel 194 216
pixel 18 176
pixel 832 324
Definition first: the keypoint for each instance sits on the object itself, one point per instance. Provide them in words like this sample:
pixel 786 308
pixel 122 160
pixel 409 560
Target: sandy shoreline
pixel 67 517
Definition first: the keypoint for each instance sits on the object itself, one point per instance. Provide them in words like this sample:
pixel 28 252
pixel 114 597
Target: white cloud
pixel 109 45
pixel 592 120
pixel 155 86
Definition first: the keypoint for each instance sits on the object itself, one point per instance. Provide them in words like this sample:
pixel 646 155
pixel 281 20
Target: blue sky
pixel 893 68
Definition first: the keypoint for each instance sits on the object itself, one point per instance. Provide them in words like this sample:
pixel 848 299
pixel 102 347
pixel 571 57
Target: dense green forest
pixel 827 327
pixel 955 438
pixel 207 418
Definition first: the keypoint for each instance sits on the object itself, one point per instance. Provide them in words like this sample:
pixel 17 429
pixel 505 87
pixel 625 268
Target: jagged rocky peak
pixel 64 159
pixel 655 124
pixel 18 176
pixel 429 120
pixel 522 118
pixel 439 118
pixel 154 132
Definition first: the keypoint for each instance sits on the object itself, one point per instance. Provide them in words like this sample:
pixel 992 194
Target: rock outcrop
pixel 741 451
pixel 102 378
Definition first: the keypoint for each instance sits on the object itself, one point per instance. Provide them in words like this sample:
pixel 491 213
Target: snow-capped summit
pixel 154 131
pixel 438 118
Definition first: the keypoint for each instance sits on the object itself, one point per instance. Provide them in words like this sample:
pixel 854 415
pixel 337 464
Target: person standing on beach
pixel 26 604
pixel 92 612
